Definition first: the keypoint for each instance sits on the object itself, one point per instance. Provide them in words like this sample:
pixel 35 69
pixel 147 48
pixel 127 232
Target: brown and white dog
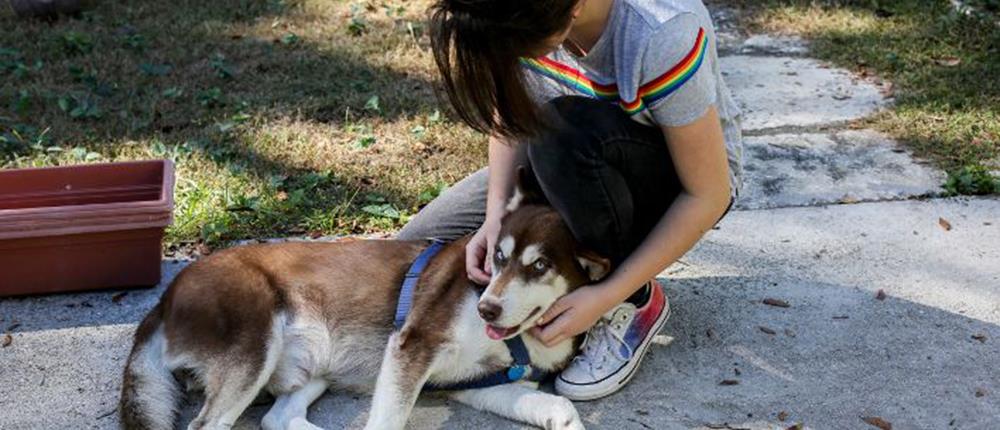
pixel 293 319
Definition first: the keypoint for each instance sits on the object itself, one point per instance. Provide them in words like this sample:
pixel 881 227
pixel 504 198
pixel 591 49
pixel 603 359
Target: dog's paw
pixel 564 417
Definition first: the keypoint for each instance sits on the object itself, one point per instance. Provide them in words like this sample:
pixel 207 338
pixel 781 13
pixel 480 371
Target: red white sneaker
pixel 614 347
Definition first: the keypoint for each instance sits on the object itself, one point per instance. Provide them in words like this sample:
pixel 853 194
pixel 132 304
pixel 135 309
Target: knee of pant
pixel 562 150
pixel 578 129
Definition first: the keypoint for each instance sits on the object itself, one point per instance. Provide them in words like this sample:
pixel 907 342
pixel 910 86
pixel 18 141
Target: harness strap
pixel 410 281
pixel 520 370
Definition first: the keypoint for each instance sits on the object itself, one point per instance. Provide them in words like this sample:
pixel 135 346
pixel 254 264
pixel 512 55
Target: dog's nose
pixel 489 311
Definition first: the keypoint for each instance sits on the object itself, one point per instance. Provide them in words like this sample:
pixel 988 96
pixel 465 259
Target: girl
pixel 619 108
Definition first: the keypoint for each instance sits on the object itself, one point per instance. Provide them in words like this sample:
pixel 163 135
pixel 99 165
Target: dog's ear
pixel 527 191
pixel 597 267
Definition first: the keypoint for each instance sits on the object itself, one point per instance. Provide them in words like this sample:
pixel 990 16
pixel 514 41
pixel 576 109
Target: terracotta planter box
pixel 83 227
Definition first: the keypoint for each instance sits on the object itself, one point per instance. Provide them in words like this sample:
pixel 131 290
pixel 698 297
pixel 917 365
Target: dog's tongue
pixel 497 333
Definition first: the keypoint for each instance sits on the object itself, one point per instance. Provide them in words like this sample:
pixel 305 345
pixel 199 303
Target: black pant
pixel 611 179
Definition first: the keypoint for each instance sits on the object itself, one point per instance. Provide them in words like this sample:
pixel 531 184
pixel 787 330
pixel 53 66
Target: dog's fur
pixel 294 318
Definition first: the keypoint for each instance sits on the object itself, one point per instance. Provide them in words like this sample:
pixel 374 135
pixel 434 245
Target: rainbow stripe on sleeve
pixel 647 94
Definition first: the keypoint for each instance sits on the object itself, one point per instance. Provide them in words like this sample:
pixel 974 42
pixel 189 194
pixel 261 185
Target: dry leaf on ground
pixel 980 337
pixel 877 422
pixel 782 416
pixel 729 382
pixel 948 61
pixel 117 298
pixel 766 330
pixel 880 295
pixel 944 224
pixel 776 303
pixel 7 340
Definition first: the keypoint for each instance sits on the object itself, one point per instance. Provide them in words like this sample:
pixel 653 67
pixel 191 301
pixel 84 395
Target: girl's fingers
pixel 555 341
pixel 488 261
pixel 473 264
pixel 552 331
pixel 554 311
pixel 535 332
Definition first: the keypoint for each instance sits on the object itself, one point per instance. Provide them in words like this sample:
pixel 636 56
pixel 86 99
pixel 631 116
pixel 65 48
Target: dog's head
pixel 536 261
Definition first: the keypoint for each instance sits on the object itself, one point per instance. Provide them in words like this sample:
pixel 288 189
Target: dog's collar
pixel 520 370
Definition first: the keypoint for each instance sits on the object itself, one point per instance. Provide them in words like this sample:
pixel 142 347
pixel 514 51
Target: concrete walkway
pixel 830 217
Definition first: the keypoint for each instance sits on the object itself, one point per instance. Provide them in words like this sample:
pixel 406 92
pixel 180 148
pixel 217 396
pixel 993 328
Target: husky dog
pixel 294 319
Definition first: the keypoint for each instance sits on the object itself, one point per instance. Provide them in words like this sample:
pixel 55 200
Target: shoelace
pixel 604 331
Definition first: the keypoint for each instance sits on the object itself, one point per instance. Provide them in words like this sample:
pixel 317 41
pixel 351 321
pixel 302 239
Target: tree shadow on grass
pixel 214 78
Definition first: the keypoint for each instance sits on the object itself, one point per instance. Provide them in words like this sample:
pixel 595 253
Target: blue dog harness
pixel 520 370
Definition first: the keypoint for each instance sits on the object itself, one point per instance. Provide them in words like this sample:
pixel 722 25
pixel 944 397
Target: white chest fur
pixel 472 351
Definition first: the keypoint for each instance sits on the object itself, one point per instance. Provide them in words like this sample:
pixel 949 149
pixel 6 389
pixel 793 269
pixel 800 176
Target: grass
pixel 945 68
pixel 318 117
pixel 284 117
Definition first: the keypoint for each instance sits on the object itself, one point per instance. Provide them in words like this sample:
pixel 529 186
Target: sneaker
pixel 614 348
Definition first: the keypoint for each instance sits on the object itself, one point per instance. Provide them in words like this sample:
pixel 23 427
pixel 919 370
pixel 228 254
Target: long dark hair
pixel 477 45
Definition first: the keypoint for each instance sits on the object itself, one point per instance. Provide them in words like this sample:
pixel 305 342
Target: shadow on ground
pixel 836 354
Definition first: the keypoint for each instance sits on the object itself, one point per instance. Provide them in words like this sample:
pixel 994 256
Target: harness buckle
pixel 517 372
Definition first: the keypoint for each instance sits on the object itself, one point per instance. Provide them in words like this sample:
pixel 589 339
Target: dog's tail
pixel 150 393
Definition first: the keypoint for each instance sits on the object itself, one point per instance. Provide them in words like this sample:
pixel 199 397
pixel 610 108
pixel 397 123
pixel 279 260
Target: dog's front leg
pixel 526 404
pixel 403 373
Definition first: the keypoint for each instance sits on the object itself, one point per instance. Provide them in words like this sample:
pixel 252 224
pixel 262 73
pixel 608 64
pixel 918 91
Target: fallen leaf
pixel 840 317
pixel 877 422
pixel 729 382
pixel 795 427
pixel 203 249
pixel 980 337
pixel 948 61
pixel 315 234
pixel 944 224
pixel 117 298
pixel 776 303
pixel 782 416
pixel 880 295
pixel 889 89
pixel 766 330
pixel 7 340
pixel 980 392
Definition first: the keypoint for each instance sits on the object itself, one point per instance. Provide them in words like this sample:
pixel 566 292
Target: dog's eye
pixel 499 257
pixel 540 265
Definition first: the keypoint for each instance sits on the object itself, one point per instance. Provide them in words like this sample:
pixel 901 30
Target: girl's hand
pixel 479 252
pixel 572 314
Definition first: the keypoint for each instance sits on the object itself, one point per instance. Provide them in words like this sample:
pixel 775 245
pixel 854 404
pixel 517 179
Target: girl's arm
pixel 699 155
pixel 503 158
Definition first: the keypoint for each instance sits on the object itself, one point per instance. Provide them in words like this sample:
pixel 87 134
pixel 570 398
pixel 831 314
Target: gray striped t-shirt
pixel 657 60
